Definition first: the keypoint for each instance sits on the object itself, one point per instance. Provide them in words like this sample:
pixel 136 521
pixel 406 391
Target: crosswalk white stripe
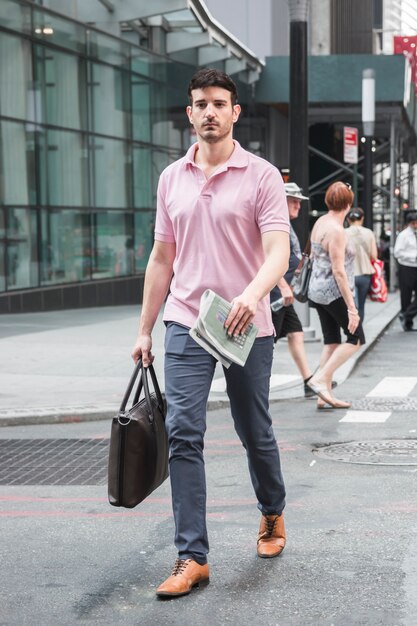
pixel 393 387
pixel 364 417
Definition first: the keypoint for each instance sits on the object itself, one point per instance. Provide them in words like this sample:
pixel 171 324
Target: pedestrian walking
pixel 221 224
pixel 363 241
pixel 285 319
pixel 405 251
pixel 331 292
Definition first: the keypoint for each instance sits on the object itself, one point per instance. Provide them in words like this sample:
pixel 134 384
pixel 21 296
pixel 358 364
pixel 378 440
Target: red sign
pixel 350 144
pixel 408 47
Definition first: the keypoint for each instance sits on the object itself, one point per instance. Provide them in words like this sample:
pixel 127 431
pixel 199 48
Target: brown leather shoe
pixel 185 575
pixel 271 537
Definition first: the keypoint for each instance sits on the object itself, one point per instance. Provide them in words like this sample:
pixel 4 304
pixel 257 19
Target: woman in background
pixel 363 242
pixel 331 292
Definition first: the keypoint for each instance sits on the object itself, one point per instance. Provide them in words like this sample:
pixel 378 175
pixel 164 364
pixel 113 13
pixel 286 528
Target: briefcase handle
pixel 143 382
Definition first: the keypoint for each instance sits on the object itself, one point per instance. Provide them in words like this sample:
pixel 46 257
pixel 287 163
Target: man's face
pixel 212 113
pixel 294 207
pixel 413 224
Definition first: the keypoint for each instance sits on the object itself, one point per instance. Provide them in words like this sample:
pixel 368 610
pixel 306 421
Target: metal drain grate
pixel 385 404
pixel 53 461
pixel 385 452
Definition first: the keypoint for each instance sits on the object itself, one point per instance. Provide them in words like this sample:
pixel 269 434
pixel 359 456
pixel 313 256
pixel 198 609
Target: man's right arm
pixel 157 280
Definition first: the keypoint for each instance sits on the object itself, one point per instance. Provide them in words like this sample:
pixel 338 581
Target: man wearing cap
pixel 285 319
pixel 405 251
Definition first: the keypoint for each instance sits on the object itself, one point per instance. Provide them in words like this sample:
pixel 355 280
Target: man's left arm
pixel 276 246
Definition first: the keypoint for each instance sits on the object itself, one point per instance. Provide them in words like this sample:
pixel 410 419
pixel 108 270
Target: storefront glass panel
pixel 14 16
pixel 61 88
pixel 17 166
pixel 22 259
pixel 63 165
pixel 112 172
pixel 110 100
pixel 142 177
pixel 2 250
pixel 64 33
pixel 17 95
pixel 65 246
pixel 114 253
pixel 144 237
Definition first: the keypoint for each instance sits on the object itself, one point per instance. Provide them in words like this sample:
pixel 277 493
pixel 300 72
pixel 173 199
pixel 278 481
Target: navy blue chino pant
pixel 189 371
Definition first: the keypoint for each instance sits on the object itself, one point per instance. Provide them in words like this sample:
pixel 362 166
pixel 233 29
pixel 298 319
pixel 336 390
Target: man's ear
pixel 188 110
pixel 236 112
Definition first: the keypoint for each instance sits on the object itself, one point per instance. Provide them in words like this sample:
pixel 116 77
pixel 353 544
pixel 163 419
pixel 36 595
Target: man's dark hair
pixel 411 217
pixel 210 77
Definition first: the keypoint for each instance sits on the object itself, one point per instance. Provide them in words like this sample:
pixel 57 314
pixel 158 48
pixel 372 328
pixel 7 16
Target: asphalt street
pixel 68 557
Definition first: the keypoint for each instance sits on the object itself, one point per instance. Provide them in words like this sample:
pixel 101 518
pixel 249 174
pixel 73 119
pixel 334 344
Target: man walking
pixel 405 251
pixel 221 224
pixel 285 320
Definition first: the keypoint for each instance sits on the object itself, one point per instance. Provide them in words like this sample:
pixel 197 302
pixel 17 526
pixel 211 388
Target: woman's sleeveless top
pixel 323 288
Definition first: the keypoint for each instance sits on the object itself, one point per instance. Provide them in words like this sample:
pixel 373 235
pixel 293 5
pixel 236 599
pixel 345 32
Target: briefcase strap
pixel 143 382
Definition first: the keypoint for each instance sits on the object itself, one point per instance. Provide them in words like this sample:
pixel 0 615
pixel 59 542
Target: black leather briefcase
pixel 138 455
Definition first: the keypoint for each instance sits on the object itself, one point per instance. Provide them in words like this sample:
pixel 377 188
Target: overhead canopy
pixel 335 90
pixel 189 29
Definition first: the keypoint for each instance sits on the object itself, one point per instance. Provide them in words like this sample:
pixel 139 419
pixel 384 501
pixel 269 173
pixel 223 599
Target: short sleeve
pixel 163 224
pixel 272 209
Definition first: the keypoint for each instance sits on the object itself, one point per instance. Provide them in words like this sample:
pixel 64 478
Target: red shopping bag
pixel 378 290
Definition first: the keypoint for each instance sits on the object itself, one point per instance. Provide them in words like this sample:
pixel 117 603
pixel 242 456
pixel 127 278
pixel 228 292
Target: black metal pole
pixel 298 114
pixel 368 183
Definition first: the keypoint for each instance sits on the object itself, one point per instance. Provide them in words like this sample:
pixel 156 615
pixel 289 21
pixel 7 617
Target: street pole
pixel 298 130
pixel 298 112
pixel 368 120
pixel 393 208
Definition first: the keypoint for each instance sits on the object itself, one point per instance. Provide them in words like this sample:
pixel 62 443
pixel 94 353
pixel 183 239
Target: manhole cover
pixel 385 452
pixel 53 461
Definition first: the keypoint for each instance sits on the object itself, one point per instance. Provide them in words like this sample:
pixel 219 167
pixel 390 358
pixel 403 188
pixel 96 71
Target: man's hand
pixel 142 350
pixel 286 292
pixel 242 313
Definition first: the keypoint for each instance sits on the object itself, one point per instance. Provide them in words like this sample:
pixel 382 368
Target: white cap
pixel 294 191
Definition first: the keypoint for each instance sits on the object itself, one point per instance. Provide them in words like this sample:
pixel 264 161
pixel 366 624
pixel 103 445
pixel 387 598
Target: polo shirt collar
pixel 238 158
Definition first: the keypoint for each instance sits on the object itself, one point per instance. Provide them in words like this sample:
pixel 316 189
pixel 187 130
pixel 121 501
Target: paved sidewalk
pixel 74 365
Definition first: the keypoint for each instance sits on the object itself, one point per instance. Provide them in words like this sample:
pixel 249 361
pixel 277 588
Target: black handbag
pixel 301 279
pixel 138 455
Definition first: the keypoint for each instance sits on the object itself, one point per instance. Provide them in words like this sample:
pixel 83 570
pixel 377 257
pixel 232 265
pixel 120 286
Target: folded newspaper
pixel 210 333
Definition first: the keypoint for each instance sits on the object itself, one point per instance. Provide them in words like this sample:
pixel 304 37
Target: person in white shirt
pixel 405 251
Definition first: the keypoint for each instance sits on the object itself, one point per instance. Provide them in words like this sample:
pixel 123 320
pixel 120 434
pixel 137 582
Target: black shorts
pixel 286 321
pixel 333 318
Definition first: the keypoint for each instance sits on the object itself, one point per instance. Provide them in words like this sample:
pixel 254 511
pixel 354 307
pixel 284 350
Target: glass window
pixel 17 96
pixel 65 246
pixel 22 259
pixel 142 177
pixel 114 253
pixel 63 165
pixel 52 29
pixel 141 109
pixel 112 172
pixel 2 251
pixel 14 16
pixel 108 49
pixel 110 100
pixel 144 237
pixel 61 81
pixel 17 167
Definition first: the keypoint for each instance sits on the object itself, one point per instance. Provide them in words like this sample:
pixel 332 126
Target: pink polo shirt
pixel 216 225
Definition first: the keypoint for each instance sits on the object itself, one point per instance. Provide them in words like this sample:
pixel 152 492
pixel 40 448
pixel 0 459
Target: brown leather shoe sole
pixel 176 594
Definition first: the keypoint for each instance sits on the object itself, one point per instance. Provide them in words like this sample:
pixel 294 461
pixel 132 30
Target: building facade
pixel 88 120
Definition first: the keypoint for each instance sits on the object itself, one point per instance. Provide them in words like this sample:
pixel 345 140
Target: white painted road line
pixel 393 387
pixel 370 417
